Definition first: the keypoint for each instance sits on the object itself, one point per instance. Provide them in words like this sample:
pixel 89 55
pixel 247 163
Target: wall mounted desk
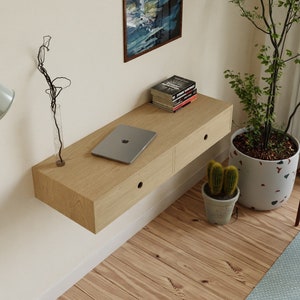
pixel 94 191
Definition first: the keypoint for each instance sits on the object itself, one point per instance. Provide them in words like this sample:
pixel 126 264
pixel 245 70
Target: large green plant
pixel 274 18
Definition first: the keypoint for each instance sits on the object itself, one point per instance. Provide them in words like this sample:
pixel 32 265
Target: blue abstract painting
pixel 149 24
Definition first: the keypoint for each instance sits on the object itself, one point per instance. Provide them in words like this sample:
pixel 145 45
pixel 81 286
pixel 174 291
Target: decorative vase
pixel 264 184
pixel 217 211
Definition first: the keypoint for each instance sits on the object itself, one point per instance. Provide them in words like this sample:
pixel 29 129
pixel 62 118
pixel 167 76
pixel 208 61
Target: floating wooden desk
pixel 94 191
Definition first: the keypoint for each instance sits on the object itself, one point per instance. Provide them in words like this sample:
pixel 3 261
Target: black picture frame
pixel 149 24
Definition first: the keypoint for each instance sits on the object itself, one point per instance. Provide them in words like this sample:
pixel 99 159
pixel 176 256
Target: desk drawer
pixel 202 139
pixel 129 192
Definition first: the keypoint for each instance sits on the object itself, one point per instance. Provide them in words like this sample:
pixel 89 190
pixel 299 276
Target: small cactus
pixel 231 176
pixel 215 177
pixel 222 181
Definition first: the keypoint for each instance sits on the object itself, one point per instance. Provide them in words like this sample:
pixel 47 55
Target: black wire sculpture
pixel 53 91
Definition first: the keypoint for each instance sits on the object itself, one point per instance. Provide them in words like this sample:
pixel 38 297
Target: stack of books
pixel 174 93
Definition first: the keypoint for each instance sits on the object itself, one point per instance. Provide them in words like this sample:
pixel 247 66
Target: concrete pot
pixel 264 185
pixel 218 211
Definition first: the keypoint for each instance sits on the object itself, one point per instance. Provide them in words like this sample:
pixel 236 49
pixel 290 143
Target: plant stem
pixel 60 162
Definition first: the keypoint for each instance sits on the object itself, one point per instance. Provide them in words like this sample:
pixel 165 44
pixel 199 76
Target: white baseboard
pixel 132 221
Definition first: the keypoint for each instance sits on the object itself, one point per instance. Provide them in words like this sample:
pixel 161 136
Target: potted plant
pixel 220 192
pixel 266 156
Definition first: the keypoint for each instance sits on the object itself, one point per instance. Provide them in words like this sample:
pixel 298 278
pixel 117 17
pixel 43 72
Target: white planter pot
pixel 218 211
pixel 264 185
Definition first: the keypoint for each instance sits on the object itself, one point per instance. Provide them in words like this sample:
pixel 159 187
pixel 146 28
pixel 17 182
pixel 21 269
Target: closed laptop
pixel 124 144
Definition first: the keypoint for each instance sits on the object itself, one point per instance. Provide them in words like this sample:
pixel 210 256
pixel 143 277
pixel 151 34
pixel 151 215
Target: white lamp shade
pixel 6 99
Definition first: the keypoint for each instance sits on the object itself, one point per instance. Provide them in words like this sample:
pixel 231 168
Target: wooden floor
pixel 180 256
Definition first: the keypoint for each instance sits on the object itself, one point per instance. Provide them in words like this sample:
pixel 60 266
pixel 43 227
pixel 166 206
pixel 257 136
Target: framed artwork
pixel 149 24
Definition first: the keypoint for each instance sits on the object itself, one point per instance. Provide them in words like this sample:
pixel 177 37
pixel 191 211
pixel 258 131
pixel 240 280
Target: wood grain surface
pixel 180 256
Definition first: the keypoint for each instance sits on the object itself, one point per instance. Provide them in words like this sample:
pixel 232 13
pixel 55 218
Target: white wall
pixel 290 88
pixel 39 248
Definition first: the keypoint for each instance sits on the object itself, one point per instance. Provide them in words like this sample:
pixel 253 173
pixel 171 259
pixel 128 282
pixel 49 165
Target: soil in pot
pixel 280 147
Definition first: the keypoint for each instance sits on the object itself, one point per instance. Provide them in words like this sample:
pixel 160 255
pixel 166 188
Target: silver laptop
pixel 124 143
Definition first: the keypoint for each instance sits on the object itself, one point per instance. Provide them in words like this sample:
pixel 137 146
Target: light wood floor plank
pixel 98 287
pixel 172 280
pixel 75 294
pixel 180 256
pixel 127 278
pixel 220 259
pixel 240 249
pixel 188 265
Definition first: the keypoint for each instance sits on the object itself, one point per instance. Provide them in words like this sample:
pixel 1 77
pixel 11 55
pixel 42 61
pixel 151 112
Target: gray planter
pixel 218 211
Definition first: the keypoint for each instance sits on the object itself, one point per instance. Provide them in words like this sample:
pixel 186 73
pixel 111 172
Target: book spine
pixel 186 90
pixel 186 95
pixel 185 102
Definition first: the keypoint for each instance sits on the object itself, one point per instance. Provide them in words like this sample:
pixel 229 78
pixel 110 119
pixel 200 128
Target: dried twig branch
pixel 53 91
